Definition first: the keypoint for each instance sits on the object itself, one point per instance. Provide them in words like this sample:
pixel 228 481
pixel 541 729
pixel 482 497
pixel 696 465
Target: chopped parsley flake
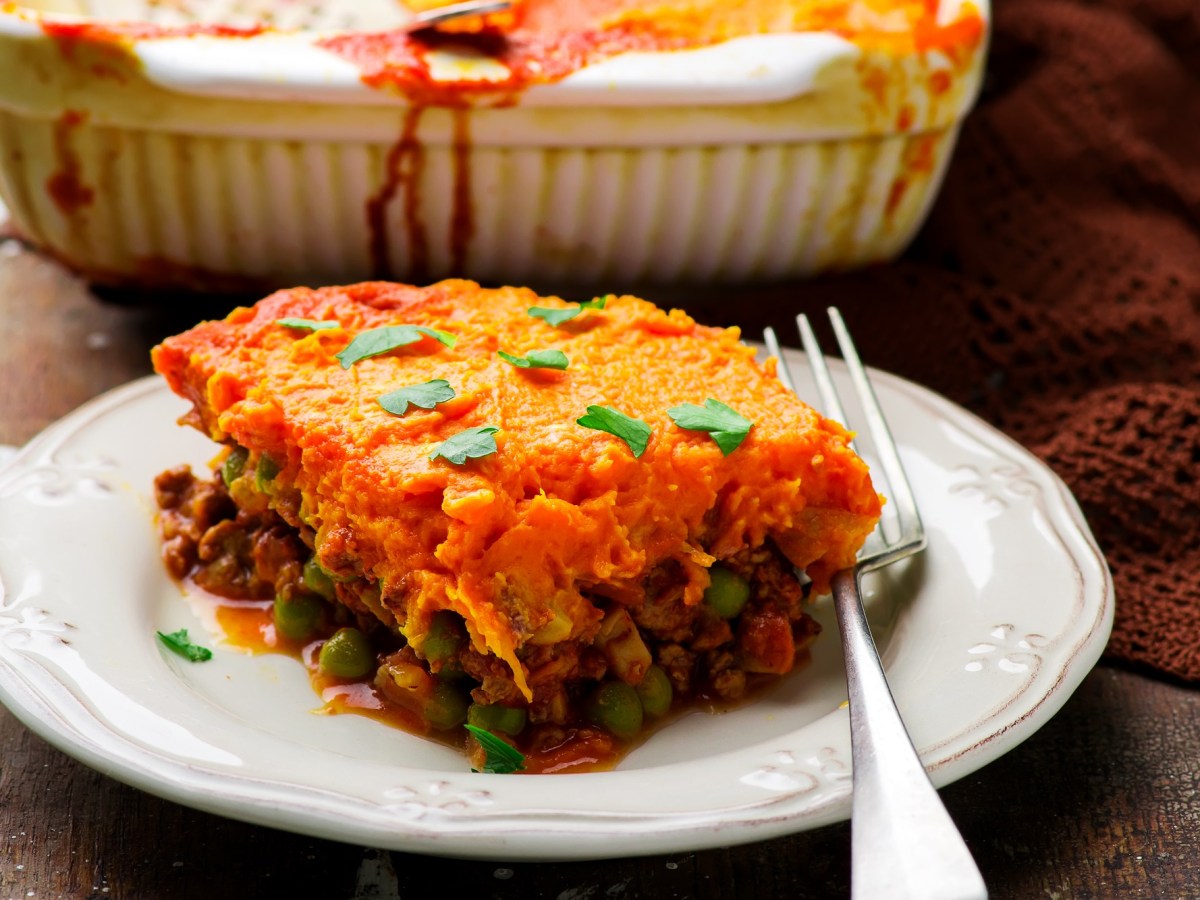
pixel 376 341
pixel 500 757
pixel 179 643
pixel 559 316
pixel 307 324
pixel 426 396
pixel 634 432
pixel 724 425
pixel 536 359
pixel 471 443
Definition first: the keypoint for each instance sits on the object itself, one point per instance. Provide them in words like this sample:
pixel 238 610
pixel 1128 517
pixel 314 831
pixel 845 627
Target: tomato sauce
pixel 402 173
pixel 66 186
pixel 543 41
pixel 99 31
pixel 403 168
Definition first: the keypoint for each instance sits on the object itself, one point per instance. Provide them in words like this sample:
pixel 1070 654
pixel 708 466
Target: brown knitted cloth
pixel 1055 289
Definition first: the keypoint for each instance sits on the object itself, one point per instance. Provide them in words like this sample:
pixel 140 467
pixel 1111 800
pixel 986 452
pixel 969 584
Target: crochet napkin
pixel 1055 289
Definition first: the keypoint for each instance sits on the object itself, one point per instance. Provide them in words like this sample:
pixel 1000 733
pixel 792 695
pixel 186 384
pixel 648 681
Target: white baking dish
pixel 257 161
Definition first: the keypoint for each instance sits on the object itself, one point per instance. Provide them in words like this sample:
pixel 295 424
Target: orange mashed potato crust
pixel 516 540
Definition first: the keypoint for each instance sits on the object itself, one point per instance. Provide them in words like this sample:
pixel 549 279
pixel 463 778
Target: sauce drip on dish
pixel 403 168
pixel 495 59
pixel 66 186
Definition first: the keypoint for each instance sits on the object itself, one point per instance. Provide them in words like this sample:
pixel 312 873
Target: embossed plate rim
pixel 1004 678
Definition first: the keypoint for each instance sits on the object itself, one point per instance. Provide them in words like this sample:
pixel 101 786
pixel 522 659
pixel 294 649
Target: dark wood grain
pixel 1102 802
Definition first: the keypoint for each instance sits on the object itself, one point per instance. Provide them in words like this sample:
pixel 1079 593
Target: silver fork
pixel 903 843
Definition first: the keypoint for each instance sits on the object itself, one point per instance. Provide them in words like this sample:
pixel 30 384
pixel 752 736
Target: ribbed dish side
pixel 209 211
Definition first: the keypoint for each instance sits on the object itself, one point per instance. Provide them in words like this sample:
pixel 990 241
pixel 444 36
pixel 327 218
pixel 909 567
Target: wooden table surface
pixel 1102 802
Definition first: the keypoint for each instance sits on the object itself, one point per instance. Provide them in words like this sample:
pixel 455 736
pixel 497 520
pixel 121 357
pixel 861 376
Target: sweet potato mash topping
pixel 538 542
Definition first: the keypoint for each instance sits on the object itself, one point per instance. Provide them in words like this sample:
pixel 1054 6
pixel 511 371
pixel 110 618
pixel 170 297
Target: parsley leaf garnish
pixel 179 643
pixel 471 443
pixel 724 425
pixel 307 324
pixel 633 432
pixel 555 316
pixel 500 757
pixel 426 396
pixel 375 341
pixel 558 316
pixel 536 359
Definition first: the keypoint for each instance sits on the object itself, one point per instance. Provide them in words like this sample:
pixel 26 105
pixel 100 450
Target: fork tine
pixel 784 371
pixel 831 402
pixel 820 369
pixel 881 435
pixel 883 545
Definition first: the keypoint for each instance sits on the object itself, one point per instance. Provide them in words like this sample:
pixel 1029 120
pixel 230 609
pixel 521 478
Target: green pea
pixel 451 670
pixel 495 717
pixel 317 579
pixel 347 654
pixel 655 692
pixel 298 617
pixel 444 638
pixel 234 465
pixel 265 472
pixel 447 708
pixel 615 707
pixel 727 592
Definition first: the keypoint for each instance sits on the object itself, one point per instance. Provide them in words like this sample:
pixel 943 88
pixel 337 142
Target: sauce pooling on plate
pixel 249 625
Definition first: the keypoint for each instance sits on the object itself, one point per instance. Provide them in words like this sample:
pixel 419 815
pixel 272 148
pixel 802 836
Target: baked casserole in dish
pixel 251 145
pixel 466 506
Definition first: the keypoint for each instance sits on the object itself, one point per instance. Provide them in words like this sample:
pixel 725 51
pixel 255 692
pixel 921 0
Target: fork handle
pixel 903 843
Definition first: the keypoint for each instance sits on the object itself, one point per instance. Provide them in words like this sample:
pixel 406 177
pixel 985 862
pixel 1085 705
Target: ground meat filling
pixel 231 552
pixel 256 549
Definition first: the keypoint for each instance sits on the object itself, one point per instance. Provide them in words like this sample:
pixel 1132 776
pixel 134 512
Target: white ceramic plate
pixel 984 637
